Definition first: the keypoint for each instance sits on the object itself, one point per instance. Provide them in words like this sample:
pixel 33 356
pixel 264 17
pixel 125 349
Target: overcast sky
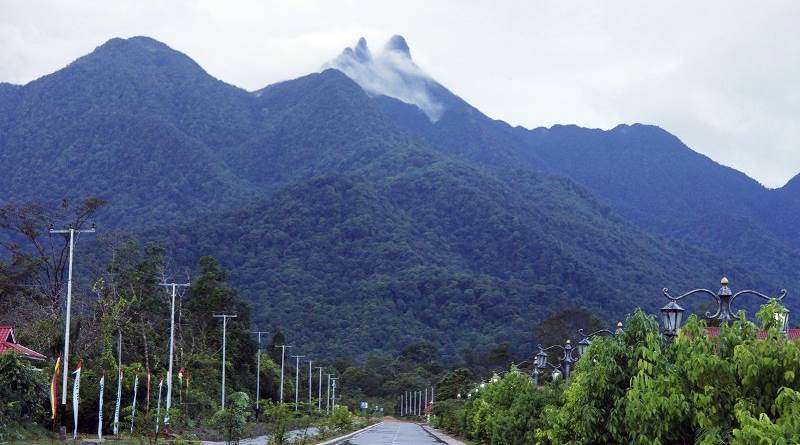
pixel 724 76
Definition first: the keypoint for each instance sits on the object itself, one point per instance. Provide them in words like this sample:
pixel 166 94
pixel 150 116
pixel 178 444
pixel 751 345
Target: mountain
pixel 134 122
pixel 365 206
pixel 642 171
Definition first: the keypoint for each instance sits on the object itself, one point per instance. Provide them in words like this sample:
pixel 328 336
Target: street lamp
pixel 672 313
pixel 536 374
pixel 586 339
pixel 782 317
pixel 565 360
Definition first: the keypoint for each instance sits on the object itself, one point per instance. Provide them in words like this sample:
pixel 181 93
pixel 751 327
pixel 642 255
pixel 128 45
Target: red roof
pixel 9 343
pixel 791 334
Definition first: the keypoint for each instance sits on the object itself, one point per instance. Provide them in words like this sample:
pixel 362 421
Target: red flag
pixel 54 388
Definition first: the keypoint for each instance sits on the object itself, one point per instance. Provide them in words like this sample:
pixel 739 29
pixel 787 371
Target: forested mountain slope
pixel 354 221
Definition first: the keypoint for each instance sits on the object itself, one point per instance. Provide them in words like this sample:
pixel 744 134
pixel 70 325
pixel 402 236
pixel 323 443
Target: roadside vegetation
pixel 639 388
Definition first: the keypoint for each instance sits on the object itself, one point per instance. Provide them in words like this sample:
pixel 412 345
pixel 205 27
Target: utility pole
pixel 258 371
pixel 224 318
pixel 333 394
pixel 72 231
pixel 401 404
pixel 309 385
pixel 283 356
pixel 174 287
pixel 297 379
pixel 328 396
pixel 319 396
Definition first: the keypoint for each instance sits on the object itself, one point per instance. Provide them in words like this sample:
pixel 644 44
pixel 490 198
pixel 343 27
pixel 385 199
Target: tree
pixel 232 419
pixel 564 324
pixel 454 383
pixel 23 393
pixel 37 256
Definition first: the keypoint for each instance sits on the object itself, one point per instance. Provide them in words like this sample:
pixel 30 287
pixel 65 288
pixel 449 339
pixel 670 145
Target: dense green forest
pixel 335 219
pixel 126 303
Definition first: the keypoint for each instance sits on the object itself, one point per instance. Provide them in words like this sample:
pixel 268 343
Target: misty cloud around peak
pixel 392 72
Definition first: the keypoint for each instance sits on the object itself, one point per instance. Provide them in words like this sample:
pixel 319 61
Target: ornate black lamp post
pixel 586 339
pixel 672 313
pixel 565 359
pixel 567 354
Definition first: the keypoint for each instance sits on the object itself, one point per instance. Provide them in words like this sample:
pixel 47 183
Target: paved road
pixel 262 440
pixel 393 433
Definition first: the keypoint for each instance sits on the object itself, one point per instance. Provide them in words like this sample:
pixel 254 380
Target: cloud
pixel 390 73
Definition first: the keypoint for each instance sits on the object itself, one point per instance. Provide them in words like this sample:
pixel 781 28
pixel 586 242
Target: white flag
pixel 133 406
pixel 100 409
pixel 158 405
pixel 76 389
pixel 119 400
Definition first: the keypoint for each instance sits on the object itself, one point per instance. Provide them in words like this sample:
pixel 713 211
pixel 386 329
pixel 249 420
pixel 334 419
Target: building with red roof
pixel 791 334
pixel 9 343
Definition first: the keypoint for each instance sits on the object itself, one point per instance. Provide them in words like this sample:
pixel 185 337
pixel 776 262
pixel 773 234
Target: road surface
pixel 262 440
pixel 393 433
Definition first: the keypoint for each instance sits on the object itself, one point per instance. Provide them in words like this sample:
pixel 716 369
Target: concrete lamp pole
pixel 63 409
pixel 224 318
pixel 283 359
pixel 258 371
pixel 297 380
pixel 174 287
pixel 328 396
pixel 310 372
pixel 319 396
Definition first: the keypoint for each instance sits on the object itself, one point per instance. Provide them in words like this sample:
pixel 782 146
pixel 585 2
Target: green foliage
pixel 232 420
pixel 278 416
pixel 636 387
pixel 341 418
pixel 506 410
pixel 23 392
pixel 558 327
pixel 782 429
pixel 454 384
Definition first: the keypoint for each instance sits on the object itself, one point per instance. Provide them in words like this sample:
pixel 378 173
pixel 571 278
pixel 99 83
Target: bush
pixel 232 420
pixel 23 392
pixel 341 418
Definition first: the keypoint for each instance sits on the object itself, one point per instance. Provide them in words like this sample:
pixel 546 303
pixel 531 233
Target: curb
pixel 349 435
pixel 439 436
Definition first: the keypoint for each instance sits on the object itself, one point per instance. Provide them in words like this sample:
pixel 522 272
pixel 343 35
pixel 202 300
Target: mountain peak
pixel 391 73
pixel 397 43
pixel 135 55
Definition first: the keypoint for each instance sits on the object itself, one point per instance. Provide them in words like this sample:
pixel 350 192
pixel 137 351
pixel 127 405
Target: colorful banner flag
pixel 76 391
pixel 133 406
pixel 147 402
pixel 54 389
pixel 119 400
pixel 158 406
pixel 181 374
pixel 100 408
